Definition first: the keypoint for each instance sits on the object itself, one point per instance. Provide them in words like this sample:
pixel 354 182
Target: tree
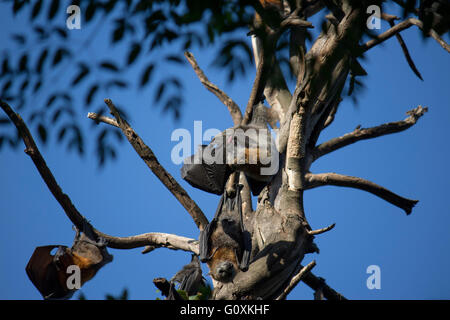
pixel 281 234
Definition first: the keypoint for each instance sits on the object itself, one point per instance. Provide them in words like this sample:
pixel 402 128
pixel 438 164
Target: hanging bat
pixel 225 244
pixel 50 273
pixel 247 148
pixel 190 277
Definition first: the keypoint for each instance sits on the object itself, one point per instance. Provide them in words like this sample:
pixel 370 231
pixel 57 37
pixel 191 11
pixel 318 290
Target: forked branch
pixel 399 28
pixel 152 162
pixel 156 240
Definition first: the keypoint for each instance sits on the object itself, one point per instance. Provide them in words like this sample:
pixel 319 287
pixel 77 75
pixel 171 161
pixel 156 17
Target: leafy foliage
pixel 31 80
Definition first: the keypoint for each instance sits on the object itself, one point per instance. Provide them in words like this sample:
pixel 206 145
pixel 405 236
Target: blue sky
pixel 125 198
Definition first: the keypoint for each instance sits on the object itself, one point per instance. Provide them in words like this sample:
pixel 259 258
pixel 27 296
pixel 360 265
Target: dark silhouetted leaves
pixel 18 5
pixel 59 55
pixel 42 132
pixel 37 86
pixel 19 38
pixel 36 9
pixel 6 87
pixel 90 94
pixel 175 59
pixel 23 63
pixel 41 60
pixel 145 77
pixel 53 9
pixel 109 65
pixel 4 121
pixel 61 32
pixel 119 31
pixel 84 71
pixel 90 11
pixel 116 83
pixel 5 66
pixel 133 53
pixel 63 110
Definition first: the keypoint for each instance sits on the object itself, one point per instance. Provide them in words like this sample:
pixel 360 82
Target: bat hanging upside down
pixel 50 273
pixel 225 244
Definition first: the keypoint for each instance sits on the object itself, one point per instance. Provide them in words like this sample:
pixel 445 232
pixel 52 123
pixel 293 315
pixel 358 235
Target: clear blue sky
pixel 124 198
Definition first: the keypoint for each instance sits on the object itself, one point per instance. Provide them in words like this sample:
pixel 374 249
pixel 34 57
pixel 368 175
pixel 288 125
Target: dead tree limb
pixel 152 162
pixel 296 279
pixel 369 133
pixel 156 240
pixel 233 108
pixel 399 28
pixel 319 284
pixel 334 179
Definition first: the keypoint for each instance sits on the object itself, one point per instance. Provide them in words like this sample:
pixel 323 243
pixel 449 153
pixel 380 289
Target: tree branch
pixel 318 284
pixel 156 240
pixel 397 29
pixel 152 162
pixel 369 133
pixel 296 279
pixel 391 20
pixel 334 179
pixel 233 108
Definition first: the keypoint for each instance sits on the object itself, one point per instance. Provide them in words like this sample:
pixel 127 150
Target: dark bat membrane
pixel 247 148
pixel 225 244
pixel 49 273
pixel 190 277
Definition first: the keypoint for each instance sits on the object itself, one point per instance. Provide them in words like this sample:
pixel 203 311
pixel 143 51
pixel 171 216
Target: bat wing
pixel 44 274
pixel 209 176
pixel 205 234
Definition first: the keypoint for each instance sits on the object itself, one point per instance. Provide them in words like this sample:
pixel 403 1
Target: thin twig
pixel 152 162
pixel 334 179
pixel 233 108
pixel 319 284
pixel 320 231
pixel 296 279
pixel 400 27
